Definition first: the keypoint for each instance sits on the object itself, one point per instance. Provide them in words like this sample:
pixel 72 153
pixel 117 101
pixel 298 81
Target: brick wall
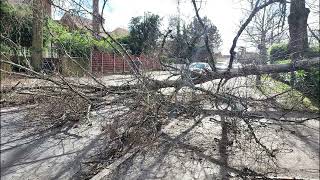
pixel 108 63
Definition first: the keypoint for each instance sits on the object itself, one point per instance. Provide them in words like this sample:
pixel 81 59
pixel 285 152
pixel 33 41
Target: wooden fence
pixel 109 63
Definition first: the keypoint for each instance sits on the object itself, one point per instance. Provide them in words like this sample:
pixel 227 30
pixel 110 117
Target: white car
pixel 198 69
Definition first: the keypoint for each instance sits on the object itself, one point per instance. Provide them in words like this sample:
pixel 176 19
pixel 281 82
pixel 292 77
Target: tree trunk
pixel 306 64
pixel 37 35
pixel 263 55
pixel 298 28
pixel 96 18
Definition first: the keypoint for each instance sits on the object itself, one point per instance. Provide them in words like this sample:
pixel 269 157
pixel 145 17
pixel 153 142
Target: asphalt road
pixel 53 154
pixel 187 149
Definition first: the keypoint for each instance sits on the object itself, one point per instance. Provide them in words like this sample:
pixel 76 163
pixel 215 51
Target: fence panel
pixel 110 63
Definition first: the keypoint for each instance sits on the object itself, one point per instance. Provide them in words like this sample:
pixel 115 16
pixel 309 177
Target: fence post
pixel 101 62
pixel 114 63
pixel 152 63
pixel 123 65
pixel 91 61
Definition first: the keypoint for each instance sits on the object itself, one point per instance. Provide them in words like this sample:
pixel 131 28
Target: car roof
pixel 199 63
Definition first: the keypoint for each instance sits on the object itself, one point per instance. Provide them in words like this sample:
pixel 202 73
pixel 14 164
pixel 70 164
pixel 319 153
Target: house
pixel 245 57
pixel 119 32
pixel 222 58
pixel 76 22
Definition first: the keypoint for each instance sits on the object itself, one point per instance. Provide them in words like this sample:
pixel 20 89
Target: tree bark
pixel 37 35
pixel 263 55
pixel 306 64
pixel 96 18
pixel 298 28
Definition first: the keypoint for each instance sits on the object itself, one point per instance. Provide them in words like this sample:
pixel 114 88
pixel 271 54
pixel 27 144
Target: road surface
pixel 187 148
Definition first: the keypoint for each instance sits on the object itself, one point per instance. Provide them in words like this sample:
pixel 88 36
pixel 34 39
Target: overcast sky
pixel 225 14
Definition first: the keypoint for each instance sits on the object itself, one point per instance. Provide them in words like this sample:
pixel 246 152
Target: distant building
pixel 222 58
pixel 245 57
pixel 77 22
pixel 119 32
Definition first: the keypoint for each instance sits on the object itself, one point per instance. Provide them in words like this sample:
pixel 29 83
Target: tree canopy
pixel 188 40
pixel 144 33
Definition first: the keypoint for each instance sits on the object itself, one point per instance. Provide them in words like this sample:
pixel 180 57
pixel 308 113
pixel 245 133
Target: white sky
pixel 225 14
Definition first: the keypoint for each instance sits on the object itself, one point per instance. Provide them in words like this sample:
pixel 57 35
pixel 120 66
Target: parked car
pixel 198 69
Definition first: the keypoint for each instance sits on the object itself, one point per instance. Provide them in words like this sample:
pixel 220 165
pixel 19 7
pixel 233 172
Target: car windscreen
pixel 198 65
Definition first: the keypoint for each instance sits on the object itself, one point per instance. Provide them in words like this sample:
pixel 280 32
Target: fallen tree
pixel 145 109
pixel 248 70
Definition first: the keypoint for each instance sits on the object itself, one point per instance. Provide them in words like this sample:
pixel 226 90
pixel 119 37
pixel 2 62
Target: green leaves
pixel 144 33
pixel 75 43
pixel 16 23
pixel 278 52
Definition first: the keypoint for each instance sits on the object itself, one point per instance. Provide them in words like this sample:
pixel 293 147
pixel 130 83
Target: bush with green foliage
pixel 313 51
pixel 77 43
pixel 278 52
pixel 16 23
pixel 308 82
pixel 311 83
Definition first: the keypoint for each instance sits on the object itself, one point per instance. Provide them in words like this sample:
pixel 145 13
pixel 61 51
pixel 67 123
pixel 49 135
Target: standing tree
pixel 203 40
pixel 298 28
pixel 190 41
pixel 96 18
pixel 265 29
pixel 37 34
pixel 144 33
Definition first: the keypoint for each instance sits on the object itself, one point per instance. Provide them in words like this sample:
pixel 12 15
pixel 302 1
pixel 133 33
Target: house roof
pixel 75 21
pixel 18 1
pixel 119 32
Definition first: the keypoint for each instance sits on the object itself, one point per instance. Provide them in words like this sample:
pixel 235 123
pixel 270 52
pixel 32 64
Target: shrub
pixel 313 52
pixel 278 52
pixel 75 43
pixel 312 83
pixel 16 23
pixel 307 82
